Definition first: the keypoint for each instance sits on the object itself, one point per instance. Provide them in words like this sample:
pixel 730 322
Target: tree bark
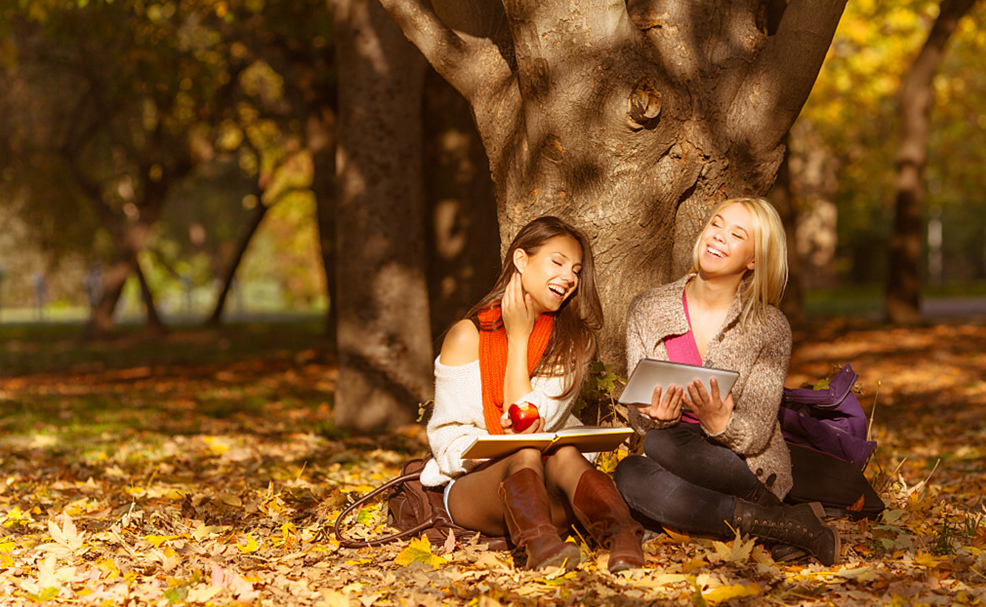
pixel 916 96
pixel 464 256
pixel 384 337
pixel 627 118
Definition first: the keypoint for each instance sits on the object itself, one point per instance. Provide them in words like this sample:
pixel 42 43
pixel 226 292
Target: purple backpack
pixel 828 420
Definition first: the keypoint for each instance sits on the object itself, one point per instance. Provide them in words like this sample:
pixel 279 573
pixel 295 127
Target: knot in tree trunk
pixel 644 105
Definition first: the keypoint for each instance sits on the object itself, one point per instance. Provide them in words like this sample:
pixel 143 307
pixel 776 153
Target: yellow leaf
pixel 203 531
pixel 679 538
pixel 419 550
pixel 926 560
pixel 250 546
pixel 728 593
pixel 860 574
pixel 157 540
pixel 109 568
pixel 333 598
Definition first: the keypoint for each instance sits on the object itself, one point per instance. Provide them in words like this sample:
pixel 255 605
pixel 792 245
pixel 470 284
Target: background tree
pixel 295 39
pixel 628 118
pixel 384 336
pixel 916 98
pixel 845 143
pixel 138 96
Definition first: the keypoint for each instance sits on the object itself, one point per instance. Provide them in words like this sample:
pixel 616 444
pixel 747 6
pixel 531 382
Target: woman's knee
pixel 567 459
pixel 525 458
pixel 632 474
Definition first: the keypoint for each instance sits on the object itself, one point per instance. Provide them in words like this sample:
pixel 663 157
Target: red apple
pixel 522 415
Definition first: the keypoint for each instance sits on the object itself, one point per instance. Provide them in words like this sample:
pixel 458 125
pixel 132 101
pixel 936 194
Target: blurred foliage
pixel 852 115
pixel 228 86
pixel 101 102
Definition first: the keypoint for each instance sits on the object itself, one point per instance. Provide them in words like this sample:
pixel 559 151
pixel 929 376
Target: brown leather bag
pixel 413 509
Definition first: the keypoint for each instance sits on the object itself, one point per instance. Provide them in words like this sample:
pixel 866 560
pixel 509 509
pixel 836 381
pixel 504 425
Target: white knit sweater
pixel 457 417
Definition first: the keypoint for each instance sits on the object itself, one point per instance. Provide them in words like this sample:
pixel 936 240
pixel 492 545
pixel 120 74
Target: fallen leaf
pixel 419 551
pixel 733 591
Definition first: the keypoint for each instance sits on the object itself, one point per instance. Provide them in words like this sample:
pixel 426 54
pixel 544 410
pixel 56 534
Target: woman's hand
pixel 666 408
pixel 713 412
pixel 508 427
pixel 517 310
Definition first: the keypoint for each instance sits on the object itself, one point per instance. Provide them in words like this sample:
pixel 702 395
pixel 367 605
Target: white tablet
pixel 651 373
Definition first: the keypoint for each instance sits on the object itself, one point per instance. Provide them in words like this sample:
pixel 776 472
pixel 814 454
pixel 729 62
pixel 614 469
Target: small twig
pixel 893 474
pixel 869 427
pixel 924 483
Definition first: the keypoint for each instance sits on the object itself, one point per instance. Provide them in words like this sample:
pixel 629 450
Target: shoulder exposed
pixel 461 344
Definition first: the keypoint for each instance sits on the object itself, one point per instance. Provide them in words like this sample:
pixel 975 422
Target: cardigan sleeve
pixel 637 349
pixel 755 410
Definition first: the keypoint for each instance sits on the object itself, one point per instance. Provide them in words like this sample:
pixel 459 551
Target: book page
pixel 588 439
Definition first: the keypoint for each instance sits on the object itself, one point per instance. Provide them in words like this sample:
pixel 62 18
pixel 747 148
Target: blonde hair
pixel 768 278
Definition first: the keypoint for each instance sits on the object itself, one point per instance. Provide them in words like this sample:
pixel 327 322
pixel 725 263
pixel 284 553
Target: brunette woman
pixel 529 340
pixel 715 463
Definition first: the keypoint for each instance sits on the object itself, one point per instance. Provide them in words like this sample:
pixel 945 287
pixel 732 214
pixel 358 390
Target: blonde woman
pixel 715 462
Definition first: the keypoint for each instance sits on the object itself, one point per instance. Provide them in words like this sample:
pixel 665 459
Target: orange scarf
pixel 493 359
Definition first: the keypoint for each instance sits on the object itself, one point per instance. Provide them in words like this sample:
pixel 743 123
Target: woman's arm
pixel 665 409
pixel 519 317
pixel 754 416
pixel 457 415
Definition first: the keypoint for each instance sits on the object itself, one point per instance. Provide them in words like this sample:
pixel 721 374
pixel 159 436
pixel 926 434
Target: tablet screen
pixel 650 373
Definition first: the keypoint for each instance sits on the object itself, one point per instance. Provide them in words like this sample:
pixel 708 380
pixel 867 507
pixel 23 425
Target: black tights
pixel 685 481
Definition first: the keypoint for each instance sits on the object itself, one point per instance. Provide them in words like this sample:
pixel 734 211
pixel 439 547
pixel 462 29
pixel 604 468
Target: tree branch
pixel 916 93
pixel 455 59
pixel 784 72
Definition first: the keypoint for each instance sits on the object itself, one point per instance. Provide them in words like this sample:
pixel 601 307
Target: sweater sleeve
pixel 637 349
pixel 456 419
pixel 755 410
pixel 553 405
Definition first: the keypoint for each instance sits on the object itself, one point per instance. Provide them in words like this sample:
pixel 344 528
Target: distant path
pixel 954 306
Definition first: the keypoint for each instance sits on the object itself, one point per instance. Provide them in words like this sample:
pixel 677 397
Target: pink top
pixel 683 349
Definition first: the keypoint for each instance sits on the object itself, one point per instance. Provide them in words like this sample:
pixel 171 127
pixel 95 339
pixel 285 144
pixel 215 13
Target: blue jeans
pixel 685 481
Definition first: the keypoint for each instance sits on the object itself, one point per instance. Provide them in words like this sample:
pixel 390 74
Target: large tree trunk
pixel 384 337
pixel 916 95
pixel 626 117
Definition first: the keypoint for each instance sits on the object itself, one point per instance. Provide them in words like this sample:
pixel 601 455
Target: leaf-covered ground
pixel 203 468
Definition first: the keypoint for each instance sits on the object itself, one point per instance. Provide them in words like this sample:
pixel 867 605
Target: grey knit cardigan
pixel 760 350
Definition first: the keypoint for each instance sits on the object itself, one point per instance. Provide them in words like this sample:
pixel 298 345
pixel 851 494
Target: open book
pixel 588 439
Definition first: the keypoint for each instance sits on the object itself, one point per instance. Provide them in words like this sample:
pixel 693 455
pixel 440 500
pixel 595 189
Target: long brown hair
pixel 573 340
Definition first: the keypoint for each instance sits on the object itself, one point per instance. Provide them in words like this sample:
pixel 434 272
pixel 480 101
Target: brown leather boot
pixel 601 510
pixel 799 526
pixel 527 513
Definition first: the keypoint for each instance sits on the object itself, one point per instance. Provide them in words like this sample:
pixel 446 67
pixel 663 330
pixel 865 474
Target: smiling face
pixel 726 247
pixel 551 274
